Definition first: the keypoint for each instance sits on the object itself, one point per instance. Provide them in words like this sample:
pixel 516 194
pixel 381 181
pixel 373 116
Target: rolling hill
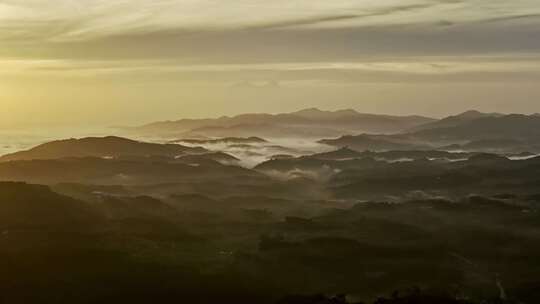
pixel 35 205
pixel 110 146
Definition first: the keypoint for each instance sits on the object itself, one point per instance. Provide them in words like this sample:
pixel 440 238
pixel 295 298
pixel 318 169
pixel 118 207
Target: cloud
pixel 282 75
pixel 66 20
pixel 259 38
pixel 323 20
pixel 511 18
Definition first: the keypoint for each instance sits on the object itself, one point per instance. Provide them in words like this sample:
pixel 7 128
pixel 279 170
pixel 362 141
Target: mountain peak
pixel 474 114
pixel 309 111
pixel 347 111
pixel 339 154
pixel 470 112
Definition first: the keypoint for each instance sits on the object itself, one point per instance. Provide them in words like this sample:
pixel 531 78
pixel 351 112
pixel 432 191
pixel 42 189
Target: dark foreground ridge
pixel 109 246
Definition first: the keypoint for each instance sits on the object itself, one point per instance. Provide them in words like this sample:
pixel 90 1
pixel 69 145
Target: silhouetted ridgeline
pixel 99 147
pixel 483 132
pixel 309 122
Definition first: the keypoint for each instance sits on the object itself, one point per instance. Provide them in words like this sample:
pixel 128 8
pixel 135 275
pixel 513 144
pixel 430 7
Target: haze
pixel 106 62
pixel 270 152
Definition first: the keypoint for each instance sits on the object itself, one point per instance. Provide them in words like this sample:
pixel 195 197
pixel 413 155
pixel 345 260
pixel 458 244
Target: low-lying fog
pixel 13 140
pixel 251 155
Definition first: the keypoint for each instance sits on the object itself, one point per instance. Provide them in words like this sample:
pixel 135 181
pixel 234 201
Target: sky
pixel 132 61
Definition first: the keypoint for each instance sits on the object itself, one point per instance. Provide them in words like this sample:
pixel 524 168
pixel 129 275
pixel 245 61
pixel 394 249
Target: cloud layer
pixel 119 27
pixel 235 56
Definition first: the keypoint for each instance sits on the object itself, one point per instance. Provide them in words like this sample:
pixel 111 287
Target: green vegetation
pixel 196 249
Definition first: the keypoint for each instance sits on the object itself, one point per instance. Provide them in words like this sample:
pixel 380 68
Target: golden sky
pixel 131 61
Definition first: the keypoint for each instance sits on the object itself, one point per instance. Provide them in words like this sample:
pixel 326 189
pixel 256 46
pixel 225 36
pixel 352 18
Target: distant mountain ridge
pixel 311 122
pixel 470 131
pixel 455 120
pixel 512 126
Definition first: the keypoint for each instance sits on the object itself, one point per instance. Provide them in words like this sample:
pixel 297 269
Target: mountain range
pixel 308 122
pixel 186 219
pixel 455 120
pixel 470 131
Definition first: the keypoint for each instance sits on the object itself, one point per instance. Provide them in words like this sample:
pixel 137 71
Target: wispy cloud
pixel 95 37
pixel 324 20
pixel 66 20
pixel 403 70
pixel 511 18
